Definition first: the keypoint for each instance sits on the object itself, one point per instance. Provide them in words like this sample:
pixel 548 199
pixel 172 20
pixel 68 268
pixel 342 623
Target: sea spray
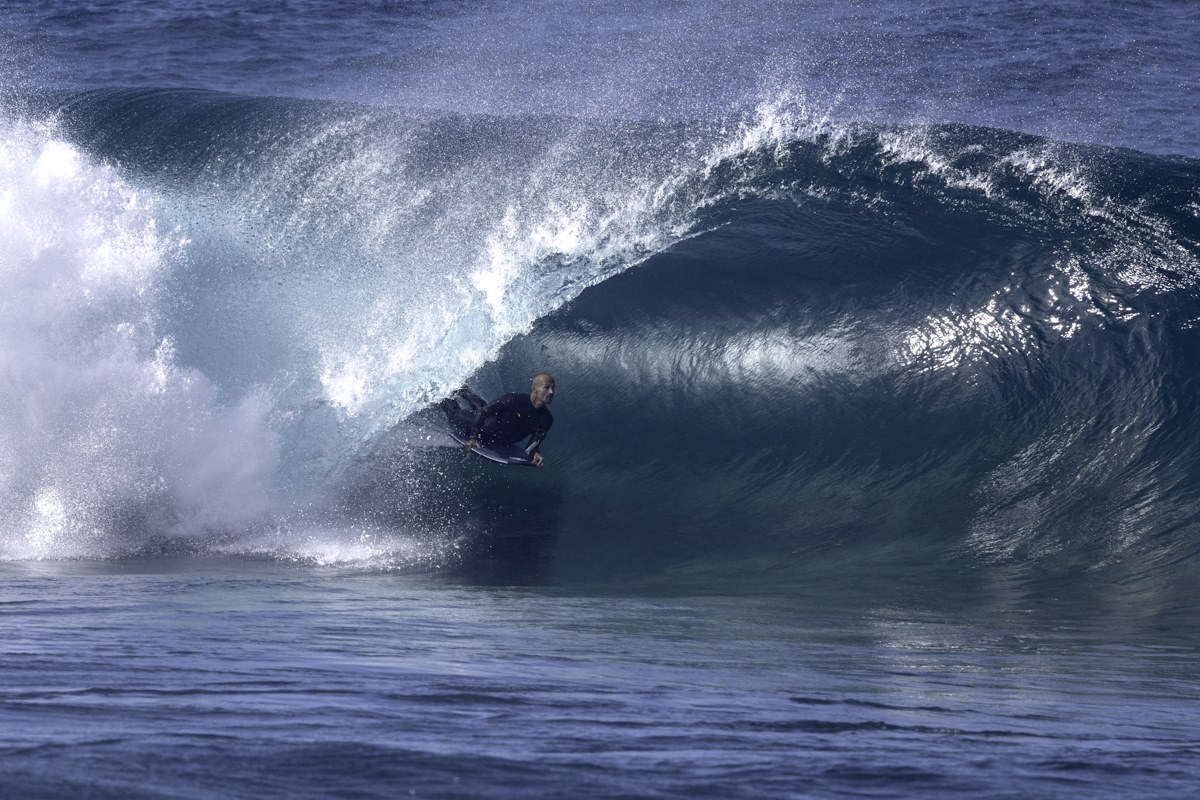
pixel 106 438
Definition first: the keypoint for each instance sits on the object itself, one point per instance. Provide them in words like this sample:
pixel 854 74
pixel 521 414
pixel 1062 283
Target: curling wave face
pixel 946 346
pixel 924 345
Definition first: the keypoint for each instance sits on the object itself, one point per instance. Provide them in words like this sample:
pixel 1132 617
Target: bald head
pixel 542 391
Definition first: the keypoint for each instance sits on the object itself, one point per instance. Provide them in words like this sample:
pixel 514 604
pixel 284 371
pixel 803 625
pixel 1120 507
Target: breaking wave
pixel 781 342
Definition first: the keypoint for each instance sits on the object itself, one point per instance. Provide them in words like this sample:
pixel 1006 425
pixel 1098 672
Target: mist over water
pixel 104 428
pixel 1075 71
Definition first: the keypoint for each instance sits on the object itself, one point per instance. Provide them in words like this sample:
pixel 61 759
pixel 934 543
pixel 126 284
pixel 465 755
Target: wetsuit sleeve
pixel 538 435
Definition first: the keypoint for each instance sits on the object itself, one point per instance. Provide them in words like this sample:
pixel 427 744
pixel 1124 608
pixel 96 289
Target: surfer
pixel 506 420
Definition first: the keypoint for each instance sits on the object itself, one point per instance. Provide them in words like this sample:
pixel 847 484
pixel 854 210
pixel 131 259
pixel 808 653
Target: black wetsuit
pixel 505 421
pixel 512 418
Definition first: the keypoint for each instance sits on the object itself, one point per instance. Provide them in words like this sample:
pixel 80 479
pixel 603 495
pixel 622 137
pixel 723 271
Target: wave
pixel 781 342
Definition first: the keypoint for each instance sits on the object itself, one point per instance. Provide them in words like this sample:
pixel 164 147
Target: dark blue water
pixel 874 471
pixel 250 680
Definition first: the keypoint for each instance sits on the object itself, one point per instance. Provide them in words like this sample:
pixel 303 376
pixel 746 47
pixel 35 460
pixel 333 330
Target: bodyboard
pixel 501 454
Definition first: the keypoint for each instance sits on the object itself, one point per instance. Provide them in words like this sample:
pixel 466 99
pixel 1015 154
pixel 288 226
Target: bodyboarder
pixel 505 421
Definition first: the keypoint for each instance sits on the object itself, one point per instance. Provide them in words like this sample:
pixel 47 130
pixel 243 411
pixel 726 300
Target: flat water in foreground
pixel 239 678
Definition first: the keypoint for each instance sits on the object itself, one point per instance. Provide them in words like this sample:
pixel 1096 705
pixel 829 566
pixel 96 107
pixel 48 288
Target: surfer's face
pixel 543 393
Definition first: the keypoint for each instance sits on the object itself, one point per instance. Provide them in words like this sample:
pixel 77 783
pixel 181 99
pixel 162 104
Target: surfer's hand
pixel 471 444
pixel 537 459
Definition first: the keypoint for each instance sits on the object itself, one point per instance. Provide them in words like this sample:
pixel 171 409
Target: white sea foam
pixel 104 436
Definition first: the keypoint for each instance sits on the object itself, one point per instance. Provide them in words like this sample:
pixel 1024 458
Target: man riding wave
pixel 506 421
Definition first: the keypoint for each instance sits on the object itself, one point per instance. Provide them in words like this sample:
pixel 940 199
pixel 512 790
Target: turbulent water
pixel 875 336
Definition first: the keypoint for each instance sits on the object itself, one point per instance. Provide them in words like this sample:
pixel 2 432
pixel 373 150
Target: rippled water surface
pixel 250 680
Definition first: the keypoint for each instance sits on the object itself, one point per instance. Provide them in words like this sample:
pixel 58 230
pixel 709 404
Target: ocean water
pixel 875 470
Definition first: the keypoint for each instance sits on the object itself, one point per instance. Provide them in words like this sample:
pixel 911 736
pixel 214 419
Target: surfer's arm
pixel 531 449
pixel 535 442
